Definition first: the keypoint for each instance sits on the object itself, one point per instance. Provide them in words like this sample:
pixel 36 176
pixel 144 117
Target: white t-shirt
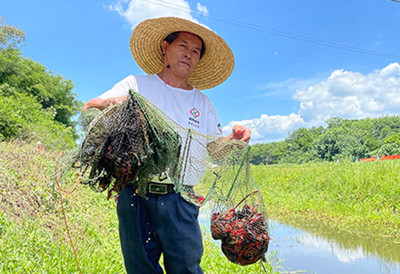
pixel 189 108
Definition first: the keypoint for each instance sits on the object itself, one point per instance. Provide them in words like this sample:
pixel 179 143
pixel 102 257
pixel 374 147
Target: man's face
pixel 183 54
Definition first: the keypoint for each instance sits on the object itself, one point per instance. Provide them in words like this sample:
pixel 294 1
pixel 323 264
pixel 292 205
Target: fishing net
pixel 243 232
pixel 133 143
pixel 238 216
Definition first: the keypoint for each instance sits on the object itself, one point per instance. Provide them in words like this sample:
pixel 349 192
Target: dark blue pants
pixel 164 224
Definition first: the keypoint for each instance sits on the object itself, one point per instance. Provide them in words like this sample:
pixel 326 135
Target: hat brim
pixel 214 67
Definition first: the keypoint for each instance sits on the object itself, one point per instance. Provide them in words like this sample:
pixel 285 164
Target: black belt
pixel 157 188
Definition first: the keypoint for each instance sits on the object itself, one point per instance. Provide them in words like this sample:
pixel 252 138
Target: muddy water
pixel 309 248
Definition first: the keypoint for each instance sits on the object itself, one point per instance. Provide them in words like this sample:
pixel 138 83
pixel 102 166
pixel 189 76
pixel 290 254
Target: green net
pixel 134 143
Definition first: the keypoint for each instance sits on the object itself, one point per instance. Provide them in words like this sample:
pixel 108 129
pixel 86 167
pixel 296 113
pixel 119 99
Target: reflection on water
pixel 320 249
pixel 342 254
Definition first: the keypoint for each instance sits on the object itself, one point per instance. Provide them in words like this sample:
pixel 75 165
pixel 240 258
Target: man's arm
pixel 103 103
pixel 221 147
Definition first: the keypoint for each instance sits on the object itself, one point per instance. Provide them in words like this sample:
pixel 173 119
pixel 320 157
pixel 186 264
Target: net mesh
pixel 134 143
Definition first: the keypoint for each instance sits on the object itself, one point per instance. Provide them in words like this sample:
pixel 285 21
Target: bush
pixel 21 116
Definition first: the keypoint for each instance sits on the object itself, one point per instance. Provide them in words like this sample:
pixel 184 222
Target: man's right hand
pixel 103 103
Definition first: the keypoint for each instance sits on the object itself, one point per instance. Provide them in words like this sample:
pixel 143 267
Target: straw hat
pixel 213 68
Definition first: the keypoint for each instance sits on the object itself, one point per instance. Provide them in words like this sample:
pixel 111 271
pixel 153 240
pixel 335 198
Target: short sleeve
pixel 121 88
pixel 213 124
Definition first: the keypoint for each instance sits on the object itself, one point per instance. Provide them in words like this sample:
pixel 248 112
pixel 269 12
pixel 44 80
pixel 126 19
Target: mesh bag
pixel 243 232
pixel 135 142
pixel 238 216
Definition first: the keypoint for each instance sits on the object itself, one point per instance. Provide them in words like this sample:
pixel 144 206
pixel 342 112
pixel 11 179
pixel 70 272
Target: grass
pixel 362 198
pixel 28 247
pixel 33 237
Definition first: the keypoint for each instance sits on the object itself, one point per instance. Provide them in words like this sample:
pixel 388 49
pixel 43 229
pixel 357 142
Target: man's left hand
pixel 240 133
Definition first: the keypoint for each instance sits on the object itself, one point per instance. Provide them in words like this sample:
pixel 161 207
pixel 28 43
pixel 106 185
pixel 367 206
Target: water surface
pixel 311 248
pixel 328 251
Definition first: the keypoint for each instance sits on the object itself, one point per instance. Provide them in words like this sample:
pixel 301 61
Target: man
pixel 180 57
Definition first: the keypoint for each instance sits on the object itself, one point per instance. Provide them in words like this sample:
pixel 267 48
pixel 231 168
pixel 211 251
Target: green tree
pixel 341 139
pixel 29 77
pixel 300 145
pixel 10 37
pixel 268 154
pixel 258 154
pixel 22 78
pixel 277 153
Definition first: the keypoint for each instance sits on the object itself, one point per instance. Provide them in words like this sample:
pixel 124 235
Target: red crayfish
pixel 244 233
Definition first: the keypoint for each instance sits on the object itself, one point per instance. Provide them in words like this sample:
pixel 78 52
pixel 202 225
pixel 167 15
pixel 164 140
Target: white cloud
pixel 202 9
pixel 352 95
pixel 345 94
pixel 135 11
pixel 268 128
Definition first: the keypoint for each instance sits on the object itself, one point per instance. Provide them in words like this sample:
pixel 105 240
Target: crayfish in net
pixel 129 142
pixel 244 234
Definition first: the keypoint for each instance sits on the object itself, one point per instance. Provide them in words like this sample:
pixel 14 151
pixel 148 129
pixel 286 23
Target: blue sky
pixel 297 62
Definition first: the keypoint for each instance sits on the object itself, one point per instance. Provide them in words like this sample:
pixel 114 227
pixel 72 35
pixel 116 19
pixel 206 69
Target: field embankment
pixel 33 236
pixel 361 198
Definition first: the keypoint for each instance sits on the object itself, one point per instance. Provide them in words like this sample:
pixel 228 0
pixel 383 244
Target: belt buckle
pixel 157 189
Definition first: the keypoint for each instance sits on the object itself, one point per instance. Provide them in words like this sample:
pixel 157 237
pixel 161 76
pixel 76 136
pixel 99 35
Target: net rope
pixel 134 142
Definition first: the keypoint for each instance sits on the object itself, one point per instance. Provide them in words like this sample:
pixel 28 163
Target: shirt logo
pixel 195 113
